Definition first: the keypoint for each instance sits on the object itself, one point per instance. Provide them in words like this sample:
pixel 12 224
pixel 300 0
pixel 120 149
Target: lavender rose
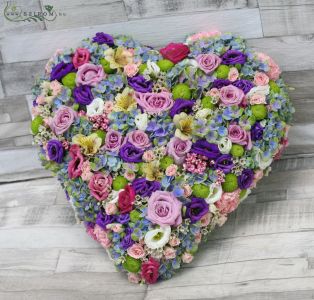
pixel 55 151
pixel 89 74
pixel 178 149
pixel 60 70
pixel 224 163
pixel 181 105
pixel 62 120
pixel 103 38
pixel 145 187
pixel 233 57
pixel 113 140
pixel 196 209
pixel 208 62
pixel 140 84
pixel 139 139
pixel 207 149
pixel 154 102
pixel 83 95
pixel 164 209
pixel 245 180
pixel 239 136
pixel 129 153
pixel 231 95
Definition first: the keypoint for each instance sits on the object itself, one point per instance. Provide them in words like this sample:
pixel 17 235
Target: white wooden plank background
pixel 266 249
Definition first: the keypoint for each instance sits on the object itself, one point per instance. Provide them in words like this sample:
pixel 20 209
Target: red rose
pixel 175 52
pixel 150 270
pixel 126 199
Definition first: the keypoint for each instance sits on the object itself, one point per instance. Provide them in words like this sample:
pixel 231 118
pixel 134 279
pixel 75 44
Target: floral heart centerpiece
pixel 154 148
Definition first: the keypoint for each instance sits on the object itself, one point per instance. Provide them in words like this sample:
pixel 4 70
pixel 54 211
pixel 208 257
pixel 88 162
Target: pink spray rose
pixel 239 136
pixel 63 119
pixel 187 257
pixel 164 209
pixel 139 139
pixel 274 70
pixel 89 74
pixel 169 253
pixel 261 78
pixel 178 149
pixel 231 95
pixel 113 140
pixel 100 186
pixel 76 163
pixel 102 236
pixel 80 57
pixel 130 70
pixel 228 202
pixel 208 62
pixel 136 251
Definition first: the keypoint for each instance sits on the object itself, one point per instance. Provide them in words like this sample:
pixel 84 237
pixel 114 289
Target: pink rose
pixel 187 257
pixel 76 163
pixel 113 140
pixel 111 208
pixel 231 95
pixel 274 70
pixel 214 92
pixel 233 74
pixel 257 99
pixel 261 78
pixel 89 74
pixel 136 251
pixel 63 119
pixel 178 149
pixel 164 209
pixel 175 52
pixel 239 136
pixel 102 236
pixel 80 57
pixel 208 62
pixel 100 186
pixel 169 253
pixel 228 202
pixel 130 70
pixel 139 139
pixel 148 156
pixel 154 102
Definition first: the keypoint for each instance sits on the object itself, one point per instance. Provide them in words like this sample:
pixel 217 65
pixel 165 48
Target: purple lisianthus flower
pixel 123 218
pixel 144 187
pixel 196 209
pixel 233 57
pixel 140 84
pixel 245 179
pixel 83 95
pixel 219 83
pixel 103 219
pixel 181 105
pixel 205 148
pixel 244 85
pixel 129 153
pixel 55 151
pixel 257 131
pixel 224 163
pixel 60 70
pixel 127 242
pixel 103 38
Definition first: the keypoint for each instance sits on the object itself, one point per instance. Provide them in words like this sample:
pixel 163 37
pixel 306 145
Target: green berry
pixel 274 87
pixel 237 150
pixel 142 68
pixel 119 183
pixel 101 134
pixel 106 66
pixel 69 80
pixel 135 215
pixel 131 264
pixel 165 65
pixel 222 72
pixel 230 184
pixel 259 111
pixel 37 121
pixel 181 91
pixel 200 190
pixel 165 162
pixel 207 102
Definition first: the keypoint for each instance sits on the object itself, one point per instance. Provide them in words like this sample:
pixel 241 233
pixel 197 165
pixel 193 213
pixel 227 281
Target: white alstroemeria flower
pixel 141 121
pixel 215 193
pixel 203 113
pixel 262 161
pixel 95 108
pixel 151 68
pixel 245 194
pixel 260 90
pixel 224 145
pixel 157 238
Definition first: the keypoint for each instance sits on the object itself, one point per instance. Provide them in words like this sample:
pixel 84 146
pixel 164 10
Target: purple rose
pixel 244 85
pixel 63 119
pixel 123 218
pixel 89 74
pixel 113 140
pixel 103 219
pixel 208 62
pixel 103 38
pixel 224 163
pixel 245 180
pixel 257 131
pixel 60 70
pixel 205 148
pixel 178 149
pixel 55 151
pixel 139 139
pixel 127 242
pixel 233 57
pixel 196 209
pixel 181 105
pixel 83 95
pixel 140 84
pixel 129 153
pixel 144 187
pixel 219 83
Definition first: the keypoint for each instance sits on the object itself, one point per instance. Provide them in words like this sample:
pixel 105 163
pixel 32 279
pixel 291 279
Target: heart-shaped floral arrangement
pixel 154 148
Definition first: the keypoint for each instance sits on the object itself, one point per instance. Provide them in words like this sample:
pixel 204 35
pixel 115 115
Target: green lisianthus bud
pixel 131 264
